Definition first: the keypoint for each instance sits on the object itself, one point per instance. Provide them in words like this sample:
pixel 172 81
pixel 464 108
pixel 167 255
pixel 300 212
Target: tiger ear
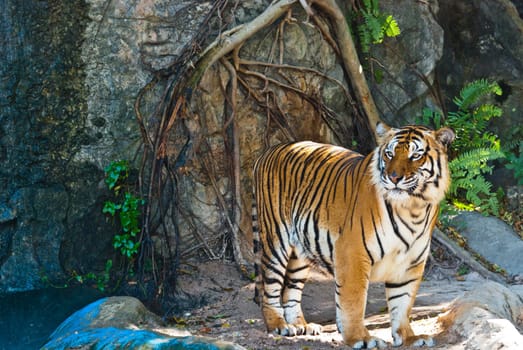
pixel 445 136
pixel 381 130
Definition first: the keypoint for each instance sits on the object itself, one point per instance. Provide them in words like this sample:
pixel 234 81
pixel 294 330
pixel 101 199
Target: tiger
pixel 361 218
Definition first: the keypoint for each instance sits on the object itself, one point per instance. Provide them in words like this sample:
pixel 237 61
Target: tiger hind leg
pixel 295 278
pixel 272 271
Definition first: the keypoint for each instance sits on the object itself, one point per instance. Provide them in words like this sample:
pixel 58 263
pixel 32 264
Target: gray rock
pixel 483 40
pixel 401 92
pixel 124 322
pixel 515 198
pixel 485 318
pixel 493 239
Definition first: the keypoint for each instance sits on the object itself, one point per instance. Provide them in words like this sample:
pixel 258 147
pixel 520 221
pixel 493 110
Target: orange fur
pixel 361 218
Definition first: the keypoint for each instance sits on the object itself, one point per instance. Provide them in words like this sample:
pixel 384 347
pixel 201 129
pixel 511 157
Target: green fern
pixel 475 161
pixel 468 181
pixel 375 26
pixel 471 120
pixel 474 91
pixel 391 27
pixel 475 147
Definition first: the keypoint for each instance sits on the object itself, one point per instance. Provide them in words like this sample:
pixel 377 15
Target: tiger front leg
pixel 352 282
pixel 400 298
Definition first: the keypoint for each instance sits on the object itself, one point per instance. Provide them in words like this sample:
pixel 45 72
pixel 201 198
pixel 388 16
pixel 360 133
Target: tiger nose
pixel 394 177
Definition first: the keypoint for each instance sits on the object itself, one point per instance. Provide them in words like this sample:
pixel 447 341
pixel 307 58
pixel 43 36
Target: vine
pixel 126 208
pixel 165 165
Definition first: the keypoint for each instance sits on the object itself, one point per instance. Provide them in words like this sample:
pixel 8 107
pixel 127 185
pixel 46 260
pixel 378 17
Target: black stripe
pixel 394 224
pixel 419 259
pixel 364 242
pixel 427 220
pixel 297 269
pixel 293 286
pixel 427 212
pixel 382 252
pixel 438 176
pixel 275 254
pixel 294 301
pixel 406 224
pixel 398 296
pixel 272 281
pixel 270 266
pixel 399 285
pixel 270 296
pixel 331 250
pixel 290 281
pixel 417 133
pixel 393 309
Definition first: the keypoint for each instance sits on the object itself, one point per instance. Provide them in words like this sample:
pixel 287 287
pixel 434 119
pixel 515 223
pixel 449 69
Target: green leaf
pixel 475 90
pixel 392 28
pixel 110 208
pixel 116 171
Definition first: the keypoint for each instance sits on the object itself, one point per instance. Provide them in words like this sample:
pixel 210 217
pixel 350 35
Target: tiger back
pixel 362 218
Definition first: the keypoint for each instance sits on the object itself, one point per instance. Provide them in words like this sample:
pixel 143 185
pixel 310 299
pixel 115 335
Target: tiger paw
pixel 313 329
pixel 424 341
pixel 291 330
pixel 367 343
pixel 418 341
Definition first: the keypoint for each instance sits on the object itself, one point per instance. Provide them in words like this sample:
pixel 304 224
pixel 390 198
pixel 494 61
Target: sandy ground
pixel 226 309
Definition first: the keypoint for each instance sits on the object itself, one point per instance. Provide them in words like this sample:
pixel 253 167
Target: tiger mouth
pixel 398 190
pixel 411 188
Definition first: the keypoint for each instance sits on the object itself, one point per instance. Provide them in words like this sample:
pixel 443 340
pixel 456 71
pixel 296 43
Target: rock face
pixel 71 74
pixel 73 70
pixel 483 39
pixel 44 194
pixel 123 322
pixel 403 77
pixel 493 239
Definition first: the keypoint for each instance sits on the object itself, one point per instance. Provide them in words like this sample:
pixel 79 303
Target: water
pixel 27 319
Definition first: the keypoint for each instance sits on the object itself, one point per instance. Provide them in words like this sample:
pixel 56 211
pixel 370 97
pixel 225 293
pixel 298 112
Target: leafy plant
pixel 375 26
pixel 470 121
pixel 115 174
pixel 101 280
pixel 473 148
pixel 515 162
pixel 469 189
pixel 126 208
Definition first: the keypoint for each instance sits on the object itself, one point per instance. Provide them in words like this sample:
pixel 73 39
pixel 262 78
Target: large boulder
pixel 485 318
pixel 493 239
pixel 124 322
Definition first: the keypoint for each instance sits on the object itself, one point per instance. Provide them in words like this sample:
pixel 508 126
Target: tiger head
pixel 412 162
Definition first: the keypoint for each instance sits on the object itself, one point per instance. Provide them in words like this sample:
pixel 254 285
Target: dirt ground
pixel 225 309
